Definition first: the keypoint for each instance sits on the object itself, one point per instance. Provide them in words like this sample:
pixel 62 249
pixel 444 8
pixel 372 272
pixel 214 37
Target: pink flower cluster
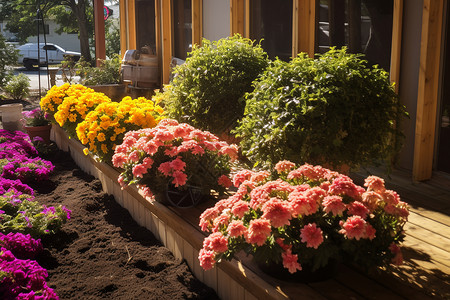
pixel 169 150
pixel 296 211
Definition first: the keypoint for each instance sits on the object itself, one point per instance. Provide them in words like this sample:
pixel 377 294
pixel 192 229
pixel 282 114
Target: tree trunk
pixel 80 13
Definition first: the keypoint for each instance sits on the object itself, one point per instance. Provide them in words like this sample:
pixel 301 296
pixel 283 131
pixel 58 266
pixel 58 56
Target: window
pixel 145 24
pixel 364 26
pixel 182 28
pixel 272 22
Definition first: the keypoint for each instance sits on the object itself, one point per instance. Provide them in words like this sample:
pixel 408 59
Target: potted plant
pixel 333 110
pixel 175 162
pixel 36 123
pixel 304 218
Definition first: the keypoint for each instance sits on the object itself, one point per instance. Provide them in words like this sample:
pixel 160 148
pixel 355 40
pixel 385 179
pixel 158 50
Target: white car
pixel 28 54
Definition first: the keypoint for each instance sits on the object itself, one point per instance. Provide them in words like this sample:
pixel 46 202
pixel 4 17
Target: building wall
pixel 409 74
pixel 216 19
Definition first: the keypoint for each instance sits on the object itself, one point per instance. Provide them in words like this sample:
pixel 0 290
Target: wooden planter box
pixel 231 280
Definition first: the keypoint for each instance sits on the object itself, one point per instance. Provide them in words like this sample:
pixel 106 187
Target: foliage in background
pixel 107 73
pixel 331 110
pixel 208 90
pixel 18 87
pixel 72 16
pixel 8 58
pixel 104 127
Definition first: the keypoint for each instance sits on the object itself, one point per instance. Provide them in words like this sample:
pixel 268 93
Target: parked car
pixel 28 55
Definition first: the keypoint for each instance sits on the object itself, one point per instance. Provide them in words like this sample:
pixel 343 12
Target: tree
pixel 22 14
pixel 8 57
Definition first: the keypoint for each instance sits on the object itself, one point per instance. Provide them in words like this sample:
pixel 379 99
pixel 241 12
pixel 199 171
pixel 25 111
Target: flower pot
pixel 41 131
pixel 306 275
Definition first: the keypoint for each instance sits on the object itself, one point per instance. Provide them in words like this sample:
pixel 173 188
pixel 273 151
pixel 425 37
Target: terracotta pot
pixel 304 276
pixel 41 131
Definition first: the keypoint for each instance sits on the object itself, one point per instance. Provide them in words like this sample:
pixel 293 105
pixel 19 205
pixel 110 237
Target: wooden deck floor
pixel 426 271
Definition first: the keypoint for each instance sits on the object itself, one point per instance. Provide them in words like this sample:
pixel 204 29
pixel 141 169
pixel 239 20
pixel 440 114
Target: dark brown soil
pixel 101 253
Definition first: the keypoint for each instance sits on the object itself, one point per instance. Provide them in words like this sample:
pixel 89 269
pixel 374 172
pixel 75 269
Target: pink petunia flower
pixel 290 262
pixel 311 235
pixel 258 231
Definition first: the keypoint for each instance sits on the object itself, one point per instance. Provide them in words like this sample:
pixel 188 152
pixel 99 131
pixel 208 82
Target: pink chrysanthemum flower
pixel 224 181
pixel 206 258
pixel 284 166
pixel 311 235
pixel 179 178
pixel 258 231
pixel 374 183
pixel 139 170
pixel 358 209
pixel 334 205
pixel 241 176
pixel 290 262
pixel 301 204
pixel 216 242
pixel 236 228
pixel 354 227
pixel 277 212
pixel 240 208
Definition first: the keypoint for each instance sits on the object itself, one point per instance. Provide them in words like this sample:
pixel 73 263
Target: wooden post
pixel 304 27
pixel 428 89
pixel 99 23
pixel 396 43
pixel 237 15
pixel 197 22
pixel 166 12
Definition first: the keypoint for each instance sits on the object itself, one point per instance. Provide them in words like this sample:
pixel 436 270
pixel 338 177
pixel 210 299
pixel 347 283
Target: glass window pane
pixel 145 24
pixel 364 26
pixel 272 22
pixel 182 28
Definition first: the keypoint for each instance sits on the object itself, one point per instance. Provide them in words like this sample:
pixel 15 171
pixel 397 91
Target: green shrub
pixel 18 87
pixel 107 73
pixel 208 90
pixel 8 57
pixel 332 110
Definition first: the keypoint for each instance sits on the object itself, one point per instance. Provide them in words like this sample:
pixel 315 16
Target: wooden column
pixel 427 98
pixel 237 17
pixel 99 24
pixel 166 16
pixel 123 27
pixel 197 22
pixel 396 43
pixel 304 27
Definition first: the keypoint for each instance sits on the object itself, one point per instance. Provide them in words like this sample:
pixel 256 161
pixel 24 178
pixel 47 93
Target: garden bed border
pixel 230 279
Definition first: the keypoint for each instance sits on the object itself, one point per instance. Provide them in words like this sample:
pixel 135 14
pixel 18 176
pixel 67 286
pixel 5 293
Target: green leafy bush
pixel 208 90
pixel 8 57
pixel 107 73
pixel 18 87
pixel 332 110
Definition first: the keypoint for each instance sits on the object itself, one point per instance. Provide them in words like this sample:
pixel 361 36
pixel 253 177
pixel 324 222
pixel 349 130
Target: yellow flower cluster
pixel 55 96
pixel 75 107
pixel 104 127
